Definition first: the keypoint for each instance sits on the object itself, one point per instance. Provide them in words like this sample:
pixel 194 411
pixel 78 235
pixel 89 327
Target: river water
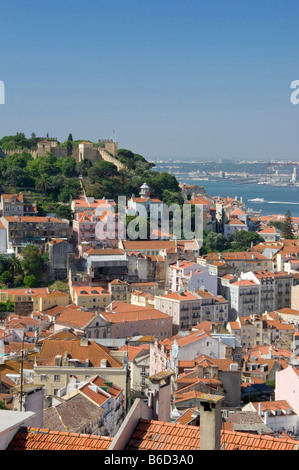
pixel 277 199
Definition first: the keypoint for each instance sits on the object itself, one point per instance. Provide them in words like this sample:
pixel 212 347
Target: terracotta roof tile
pixel 44 439
pixel 174 436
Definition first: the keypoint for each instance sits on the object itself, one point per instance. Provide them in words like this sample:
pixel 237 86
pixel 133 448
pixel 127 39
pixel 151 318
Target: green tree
pixel 69 191
pixel 33 261
pixel 6 278
pixel 18 176
pixel 14 266
pixel 169 197
pixel 68 167
pixel 213 242
pixel 42 183
pixel 83 167
pixel 31 281
pixel 160 182
pixel 19 160
pixel 4 263
pixel 241 240
pixel 64 212
pixel 101 169
pixel 287 229
pixel 69 145
pixel 7 306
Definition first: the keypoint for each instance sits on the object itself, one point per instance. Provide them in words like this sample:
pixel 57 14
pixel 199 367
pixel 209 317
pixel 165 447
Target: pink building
pixel 287 387
pixel 129 320
pixel 91 228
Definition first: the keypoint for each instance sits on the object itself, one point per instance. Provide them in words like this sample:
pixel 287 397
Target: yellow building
pixel 42 297
pixel 91 297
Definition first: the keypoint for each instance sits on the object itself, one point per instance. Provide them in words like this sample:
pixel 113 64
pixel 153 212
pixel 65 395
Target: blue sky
pixel 175 78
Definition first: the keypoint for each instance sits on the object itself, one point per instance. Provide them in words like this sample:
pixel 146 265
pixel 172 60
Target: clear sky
pixel 197 79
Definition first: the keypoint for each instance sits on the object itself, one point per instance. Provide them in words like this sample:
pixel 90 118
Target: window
pixel 56 378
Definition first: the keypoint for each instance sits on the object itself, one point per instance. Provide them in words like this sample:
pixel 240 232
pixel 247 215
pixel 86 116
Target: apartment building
pixel 80 357
pixel 241 261
pixel 12 204
pixel 248 329
pixel 190 276
pixel 188 309
pixel 129 320
pixel 139 359
pixel 22 231
pixel 275 288
pixel 119 290
pixel 42 298
pixel 91 297
pixel 93 228
pixel 244 298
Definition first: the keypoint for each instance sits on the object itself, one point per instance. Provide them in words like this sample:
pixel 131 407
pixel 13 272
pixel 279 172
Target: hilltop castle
pixel 84 151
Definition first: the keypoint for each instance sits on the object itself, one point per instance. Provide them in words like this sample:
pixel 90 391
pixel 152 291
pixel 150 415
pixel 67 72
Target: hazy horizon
pixel 200 80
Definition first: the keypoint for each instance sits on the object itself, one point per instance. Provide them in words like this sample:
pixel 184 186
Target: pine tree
pixel 69 145
pixel 287 230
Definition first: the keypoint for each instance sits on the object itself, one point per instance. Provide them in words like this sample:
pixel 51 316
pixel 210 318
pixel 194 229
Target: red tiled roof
pixel 245 282
pixel 45 439
pixel 97 394
pixel 94 351
pixel 75 317
pixel 179 296
pixel 158 435
pixel 274 405
pixel 132 245
pixel 287 311
pixel 87 290
pixel 238 212
pixel 148 435
pixel 236 221
pixel 236 256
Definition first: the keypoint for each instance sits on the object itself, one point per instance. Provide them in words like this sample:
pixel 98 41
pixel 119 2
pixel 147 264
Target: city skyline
pixel 173 79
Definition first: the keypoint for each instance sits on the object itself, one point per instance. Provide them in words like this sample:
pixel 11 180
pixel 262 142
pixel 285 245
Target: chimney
pixel 84 341
pixel 159 395
pixel 210 421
